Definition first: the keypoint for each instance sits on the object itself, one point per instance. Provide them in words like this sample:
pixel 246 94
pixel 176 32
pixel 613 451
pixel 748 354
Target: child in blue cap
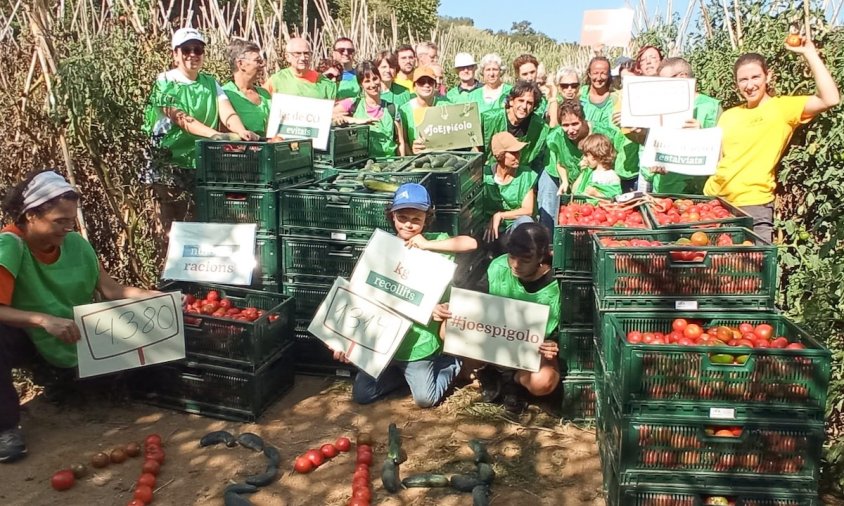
pixel 418 362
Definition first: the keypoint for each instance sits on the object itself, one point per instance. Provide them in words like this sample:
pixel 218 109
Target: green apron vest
pixel 254 117
pixel 503 283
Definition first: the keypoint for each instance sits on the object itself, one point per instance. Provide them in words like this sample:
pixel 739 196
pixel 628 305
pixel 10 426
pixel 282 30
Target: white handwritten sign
pixel 456 126
pixel 648 102
pixel 606 27
pixel 409 281
pixel 294 117
pixel 129 333
pixel 495 329
pixel 690 151
pixel 367 332
pixel 211 252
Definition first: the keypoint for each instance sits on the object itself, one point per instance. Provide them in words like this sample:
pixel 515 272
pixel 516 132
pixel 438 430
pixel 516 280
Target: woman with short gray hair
pixel 494 91
pixel 250 101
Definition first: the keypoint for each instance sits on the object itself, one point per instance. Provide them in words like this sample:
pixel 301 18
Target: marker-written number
pixel 162 318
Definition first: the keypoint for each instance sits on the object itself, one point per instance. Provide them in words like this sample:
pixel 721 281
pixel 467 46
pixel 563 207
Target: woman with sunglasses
pixel 186 105
pixel 250 101
pixel 411 113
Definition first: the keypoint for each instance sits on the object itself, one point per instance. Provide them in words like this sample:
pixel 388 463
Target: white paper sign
pixel 649 102
pixel 367 332
pixel 211 252
pixel 409 281
pixel 690 151
pixel 606 27
pixel 495 329
pixel 129 333
pixel 295 117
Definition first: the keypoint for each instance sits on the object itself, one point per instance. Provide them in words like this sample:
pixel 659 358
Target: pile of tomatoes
pixel 314 458
pixel 213 305
pixel 594 216
pixel 686 333
pixel 669 211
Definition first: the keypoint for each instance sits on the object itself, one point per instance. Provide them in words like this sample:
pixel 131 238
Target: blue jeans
pixel 428 379
pixel 547 200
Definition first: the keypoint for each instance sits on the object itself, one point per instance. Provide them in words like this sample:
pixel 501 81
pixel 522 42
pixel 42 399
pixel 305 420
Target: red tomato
pixel 779 342
pixel 647 338
pixel 156 456
pixel 226 303
pixel 692 331
pixel 212 295
pixel 355 501
pixel 364 448
pixel 360 482
pixel 315 457
pixel 188 299
pixel 745 328
pixel 62 480
pixel 143 493
pixel 795 346
pixel 364 458
pixel 147 479
pixel 329 451
pixel 362 474
pixel 362 493
pixel 153 439
pixel 151 466
pixel 303 465
pixel 764 331
pixel 679 324
pixel 362 467
pixel 343 444
pixel 634 337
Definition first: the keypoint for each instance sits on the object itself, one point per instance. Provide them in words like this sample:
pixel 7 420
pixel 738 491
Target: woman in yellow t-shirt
pixel 757 132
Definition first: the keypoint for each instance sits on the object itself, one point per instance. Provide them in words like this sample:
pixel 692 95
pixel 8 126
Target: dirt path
pixel 552 465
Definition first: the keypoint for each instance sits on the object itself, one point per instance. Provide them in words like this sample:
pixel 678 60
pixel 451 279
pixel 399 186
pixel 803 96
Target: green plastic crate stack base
pixel 215 391
pixel 737 218
pixel 577 350
pixel 309 256
pixel 254 164
pixel 239 205
pixel 313 358
pixel 308 292
pixel 579 399
pixel 348 146
pixel 737 277
pixel 577 301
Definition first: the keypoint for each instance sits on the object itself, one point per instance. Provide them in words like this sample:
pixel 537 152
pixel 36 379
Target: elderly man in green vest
pixel 299 78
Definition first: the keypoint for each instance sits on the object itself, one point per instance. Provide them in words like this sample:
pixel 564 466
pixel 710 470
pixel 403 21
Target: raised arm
pixel 827 95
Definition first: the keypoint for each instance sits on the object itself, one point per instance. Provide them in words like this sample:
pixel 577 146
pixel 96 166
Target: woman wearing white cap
pixel 45 270
pixel 465 65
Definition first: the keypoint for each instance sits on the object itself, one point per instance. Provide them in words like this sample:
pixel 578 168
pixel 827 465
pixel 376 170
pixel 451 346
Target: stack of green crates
pixel 572 264
pixel 239 182
pixel 348 147
pixel 694 424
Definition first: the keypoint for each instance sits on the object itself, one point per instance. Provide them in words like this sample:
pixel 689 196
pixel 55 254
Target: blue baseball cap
pixel 411 196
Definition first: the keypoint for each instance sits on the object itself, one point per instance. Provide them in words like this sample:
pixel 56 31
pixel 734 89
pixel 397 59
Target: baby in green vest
pixel 598 179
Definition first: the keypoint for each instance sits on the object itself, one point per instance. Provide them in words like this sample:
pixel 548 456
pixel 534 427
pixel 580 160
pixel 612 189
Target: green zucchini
pixel 486 473
pixel 378 185
pixel 451 162
pixel 479 449
pixel 465 482
pixel 480 495
pixel 394 444
pixel 422 160
pixel 425 480
pixel 390 476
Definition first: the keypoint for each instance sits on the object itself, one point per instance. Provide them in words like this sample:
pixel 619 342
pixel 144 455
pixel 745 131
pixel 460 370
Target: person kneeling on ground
pixel 418 362
pixel 45 270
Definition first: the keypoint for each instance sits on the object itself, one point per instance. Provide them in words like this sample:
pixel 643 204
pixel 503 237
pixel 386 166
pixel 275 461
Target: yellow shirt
pixel 407 82
pixel 753 142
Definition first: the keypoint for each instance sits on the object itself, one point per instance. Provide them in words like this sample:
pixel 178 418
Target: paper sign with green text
pixel 455 126
pixel 409 281
pixel 211 252
pixel 502 331
pixel 689 151
pixel 295 117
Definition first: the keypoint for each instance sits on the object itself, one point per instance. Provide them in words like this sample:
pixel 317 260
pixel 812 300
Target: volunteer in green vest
pixel 412 113
pixel 595 94
pixel 567 87
pixel 344 52
pixel 525 68
pixel 370 109
pixel 519 117
pixel 427 54
pixel 466 67
pixel 185 105
pixel 524 273
pixel 509 195
pixel 46 269
pixel 299 79
pixel 706 113
pixel 406 57
pixel 250 101
pixel 493 93
pixel 392 93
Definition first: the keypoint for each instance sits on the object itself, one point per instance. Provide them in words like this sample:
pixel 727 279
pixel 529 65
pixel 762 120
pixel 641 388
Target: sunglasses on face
pixel 345 50
pixel 426 82
pixel 192 50
pixel 568 85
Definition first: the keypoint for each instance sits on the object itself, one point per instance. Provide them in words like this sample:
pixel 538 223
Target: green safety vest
pixel 585 181
pixel 408 115
pixel 477 96
pixel 503 283
pixel 382 134
pixel 285 82
pixel 596 114
pixel 498 197
pixel 397 95
pixel 253 116
pixel 348 88
pixel 197 99
pixel 533 155
pixel 562 151
pixel 458 95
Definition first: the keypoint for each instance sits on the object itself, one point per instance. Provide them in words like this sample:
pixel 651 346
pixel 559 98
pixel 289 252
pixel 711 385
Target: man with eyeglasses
pixel 299 78
pixel 465 65
pixel 344 52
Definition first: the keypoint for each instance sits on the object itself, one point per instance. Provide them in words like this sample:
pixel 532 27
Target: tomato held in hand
pixel 62 480
pixel 793 40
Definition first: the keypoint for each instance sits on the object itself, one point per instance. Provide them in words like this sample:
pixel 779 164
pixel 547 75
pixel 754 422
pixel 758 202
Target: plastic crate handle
pixel 339 201
pixel 344 251
pixel 193 326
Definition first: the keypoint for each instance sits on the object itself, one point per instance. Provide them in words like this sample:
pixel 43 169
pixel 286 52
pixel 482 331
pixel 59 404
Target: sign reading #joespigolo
pixel 456 126
pixel 495 329
pixel 410 281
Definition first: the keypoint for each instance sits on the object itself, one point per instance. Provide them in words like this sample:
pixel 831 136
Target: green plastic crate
pixel 225 163
pixel 726 278
pixel 267 258
pixel 577 349
pixel 579 399
pixel 236 343
pixel 775 378
pixel 577 302
pixel 750 445
pixel 238 205
pixel 308 292
pixel 468 220
pixel 573 246
pixel 457 187
pixel 320 257
pixel 313 358
pixel 739 218
pixel 215 391
pixel 347 146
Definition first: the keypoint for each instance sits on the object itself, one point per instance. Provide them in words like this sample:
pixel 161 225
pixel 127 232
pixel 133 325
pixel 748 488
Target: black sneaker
pixel 490 379
pixel 513 401
pixel 12 445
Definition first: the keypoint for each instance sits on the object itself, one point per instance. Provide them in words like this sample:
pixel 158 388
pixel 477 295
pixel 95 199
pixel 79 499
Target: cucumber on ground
pixel 271 452
pixel 394 444
pixel 480 495
pixel 390 476
pixel 240 488
pixel 465 482
pixel 425 480
pixel 265 478
pixel 479 449
pixel 485 472
pixel 217 437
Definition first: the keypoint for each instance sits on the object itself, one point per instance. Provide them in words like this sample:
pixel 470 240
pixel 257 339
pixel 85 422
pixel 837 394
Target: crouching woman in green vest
pixel 45 270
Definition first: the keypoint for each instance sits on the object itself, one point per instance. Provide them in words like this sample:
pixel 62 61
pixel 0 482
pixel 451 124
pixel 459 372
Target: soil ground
pixel 537 459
